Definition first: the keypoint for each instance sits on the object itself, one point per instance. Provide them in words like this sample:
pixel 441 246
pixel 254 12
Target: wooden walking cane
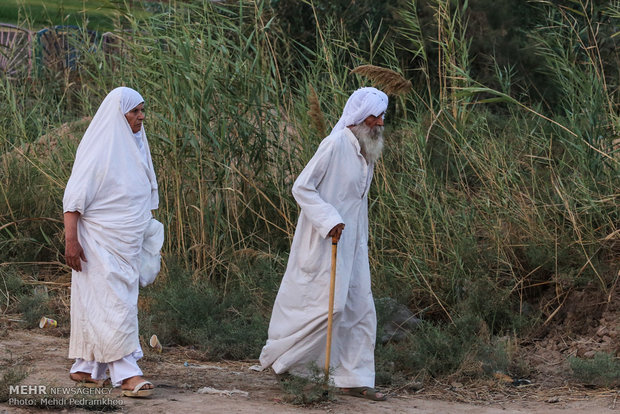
pixel 330 312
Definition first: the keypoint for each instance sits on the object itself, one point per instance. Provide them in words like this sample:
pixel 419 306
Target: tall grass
pixel 486 211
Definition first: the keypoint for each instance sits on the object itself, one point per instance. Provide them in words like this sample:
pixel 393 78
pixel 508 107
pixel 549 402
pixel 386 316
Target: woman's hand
pixel 73 254
pixel 73 250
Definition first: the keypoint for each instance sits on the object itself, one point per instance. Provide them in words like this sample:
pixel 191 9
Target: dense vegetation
pixel 98 15
pixel 496 196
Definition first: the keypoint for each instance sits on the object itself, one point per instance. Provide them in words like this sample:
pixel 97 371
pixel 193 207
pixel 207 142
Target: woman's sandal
pixel 368 393
pixel 138 391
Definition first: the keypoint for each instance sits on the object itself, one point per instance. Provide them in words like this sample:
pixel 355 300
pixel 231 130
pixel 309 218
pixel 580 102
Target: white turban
pixel 361 104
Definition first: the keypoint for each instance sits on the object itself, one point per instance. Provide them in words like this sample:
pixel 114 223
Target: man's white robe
pixel 113 187
pixel 332 189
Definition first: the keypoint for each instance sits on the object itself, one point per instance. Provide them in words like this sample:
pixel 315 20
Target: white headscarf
pixel 109 154
pixel 129 98
pixel 361 104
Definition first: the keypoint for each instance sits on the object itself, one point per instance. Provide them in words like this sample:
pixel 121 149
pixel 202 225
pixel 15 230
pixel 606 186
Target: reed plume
pixel 390 82
pixel 315 113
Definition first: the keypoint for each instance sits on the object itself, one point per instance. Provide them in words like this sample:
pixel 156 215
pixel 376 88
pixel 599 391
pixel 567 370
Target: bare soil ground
pixel 179 376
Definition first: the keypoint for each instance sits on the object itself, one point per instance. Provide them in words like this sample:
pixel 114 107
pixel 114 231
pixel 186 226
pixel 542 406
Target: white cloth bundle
pixel 150 257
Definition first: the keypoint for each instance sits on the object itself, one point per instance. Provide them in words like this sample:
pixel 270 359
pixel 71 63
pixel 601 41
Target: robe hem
pixel 353 381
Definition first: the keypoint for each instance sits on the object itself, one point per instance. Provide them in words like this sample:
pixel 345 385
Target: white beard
pixel 370 139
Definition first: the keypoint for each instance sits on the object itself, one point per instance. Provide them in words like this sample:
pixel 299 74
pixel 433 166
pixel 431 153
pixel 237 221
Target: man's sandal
pixel 138 392
pixel 368 393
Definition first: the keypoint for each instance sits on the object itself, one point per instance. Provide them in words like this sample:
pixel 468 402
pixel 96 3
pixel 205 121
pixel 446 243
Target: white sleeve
pixel 321 214
pixel 83 185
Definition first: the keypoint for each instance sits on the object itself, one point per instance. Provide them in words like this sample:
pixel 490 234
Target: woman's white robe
pixel 113 187
pixel 332 189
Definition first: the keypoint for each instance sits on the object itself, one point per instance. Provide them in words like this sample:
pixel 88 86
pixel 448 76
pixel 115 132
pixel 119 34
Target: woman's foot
pixel 87 380
pixel 82 377
pixel 136 387
pixel 131 382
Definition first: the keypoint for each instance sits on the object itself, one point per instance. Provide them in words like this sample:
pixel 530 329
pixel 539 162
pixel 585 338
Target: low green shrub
pixel 33 307
pixel 307 390
pixel 10 376
pixel 184 311
pixel 11 287
pixel 464 348
pixel 603 370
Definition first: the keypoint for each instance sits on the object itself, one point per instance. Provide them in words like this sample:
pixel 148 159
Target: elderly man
pixel 332 191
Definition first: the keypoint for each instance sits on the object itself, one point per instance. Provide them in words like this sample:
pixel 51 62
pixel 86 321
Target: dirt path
pixel 42 355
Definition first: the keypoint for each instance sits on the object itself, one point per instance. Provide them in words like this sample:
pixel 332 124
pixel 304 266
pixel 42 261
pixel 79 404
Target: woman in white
pixel 107 209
